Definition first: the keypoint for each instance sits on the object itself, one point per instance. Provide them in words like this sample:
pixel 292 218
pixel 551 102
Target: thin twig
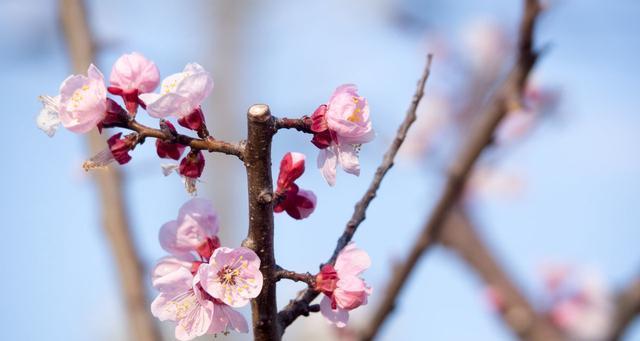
pixel 300 305
pixel 480 136
pixel 115 224
pixel 295 276
pixel 627 309
pixel 460 236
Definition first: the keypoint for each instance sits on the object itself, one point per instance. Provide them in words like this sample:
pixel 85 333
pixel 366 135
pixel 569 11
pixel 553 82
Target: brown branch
pixel 295 276
pixel 115 224
pixel 302 124
pixel 300 306
pixel 460 235
pixel 627 309
pixel 257 160
pixel 480 136
pixel 210 144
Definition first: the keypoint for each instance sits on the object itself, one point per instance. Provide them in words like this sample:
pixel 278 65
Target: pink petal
pixel 327 162
pixel 165 105
pixel 338 317
pixel 352 261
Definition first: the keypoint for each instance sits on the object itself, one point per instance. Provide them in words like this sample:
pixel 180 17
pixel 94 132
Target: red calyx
pixel 129 96
pixel 120 147
pixel 192 165
pixel 322 135
pixel 169 150
pixel 205 250
pixel 327 279
pixel 114 116
pixel 195 121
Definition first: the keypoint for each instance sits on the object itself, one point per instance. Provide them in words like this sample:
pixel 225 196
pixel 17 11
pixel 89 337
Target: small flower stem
pixel 302 124
pixel 295 276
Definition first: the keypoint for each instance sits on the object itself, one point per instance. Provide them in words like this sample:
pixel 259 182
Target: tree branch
pixel 257 160
pixel 115 224
pixel 460 236
pixel 295 276
pixel 300 305
pixel 302 124
pixel 627 309
pixel 480 136
pixel 210 144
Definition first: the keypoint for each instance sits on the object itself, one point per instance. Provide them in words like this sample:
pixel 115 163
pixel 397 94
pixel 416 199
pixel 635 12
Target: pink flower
pixel 343 288
pixel 340 127
pixel 195 230
pixel 82 103
pixel 233 276
pixel 348 116
pixel 298 203
pixel 181 93
pixel 133 74
pixel 182 300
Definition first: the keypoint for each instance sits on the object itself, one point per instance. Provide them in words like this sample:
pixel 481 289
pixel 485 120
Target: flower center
pixel 227 275
pixel 356 116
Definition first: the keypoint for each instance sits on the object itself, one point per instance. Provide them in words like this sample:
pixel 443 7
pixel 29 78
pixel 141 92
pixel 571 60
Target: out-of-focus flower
pixel 169 150
pixel 486 44
pixel 80 106
pixel 299 204
pixel 117 150
pixel 181 93
pixel 133 74
pixel 488 181
pixel 232 275
pixel 343 288
pixel 432 118
pixel 340 127
pixel 195 230
pixel 582 305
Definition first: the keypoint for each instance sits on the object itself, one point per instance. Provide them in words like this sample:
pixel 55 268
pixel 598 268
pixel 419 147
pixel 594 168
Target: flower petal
pixel 338 317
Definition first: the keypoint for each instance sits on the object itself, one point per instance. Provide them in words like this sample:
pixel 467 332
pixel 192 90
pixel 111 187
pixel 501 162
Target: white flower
pixel 49 120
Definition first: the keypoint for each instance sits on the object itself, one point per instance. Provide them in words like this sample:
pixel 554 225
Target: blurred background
pixel 558 190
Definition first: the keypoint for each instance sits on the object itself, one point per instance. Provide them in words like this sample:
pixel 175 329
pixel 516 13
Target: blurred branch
pixel 627 309
pixel 115 224
pixel 480 136
pixel 460 235
pixel 300 306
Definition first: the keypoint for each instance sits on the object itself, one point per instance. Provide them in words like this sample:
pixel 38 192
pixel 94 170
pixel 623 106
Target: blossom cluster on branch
pixel 202 282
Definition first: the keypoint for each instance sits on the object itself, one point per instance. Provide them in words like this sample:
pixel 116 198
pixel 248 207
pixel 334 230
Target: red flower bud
pixel 192 165
pixel 169 150
pixel 120 147
pixel 115 116
pixel 195 121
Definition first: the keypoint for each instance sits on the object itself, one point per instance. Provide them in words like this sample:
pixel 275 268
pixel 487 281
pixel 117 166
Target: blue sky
pixel 580 203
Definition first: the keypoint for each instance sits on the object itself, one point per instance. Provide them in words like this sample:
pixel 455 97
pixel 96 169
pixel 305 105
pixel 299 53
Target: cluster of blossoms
pixel 201 283
pixel 83 105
